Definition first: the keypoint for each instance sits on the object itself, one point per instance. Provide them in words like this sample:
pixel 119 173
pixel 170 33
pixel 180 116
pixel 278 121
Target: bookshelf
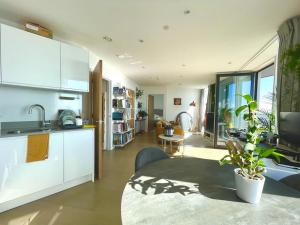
pixel 123 110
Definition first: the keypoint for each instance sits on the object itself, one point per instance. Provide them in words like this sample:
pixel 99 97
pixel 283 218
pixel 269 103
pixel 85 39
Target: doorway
pixel 158 104
pixel 150 112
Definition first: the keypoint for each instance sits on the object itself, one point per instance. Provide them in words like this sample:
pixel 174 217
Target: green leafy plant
pixel 267 120
pixel 225 115
pixel 139 92
pixel 291 61
pixel 142 113
pixel 249 158
pixel 139 105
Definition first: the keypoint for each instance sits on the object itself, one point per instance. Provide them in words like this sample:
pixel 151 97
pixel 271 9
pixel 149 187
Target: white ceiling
pixel 215 33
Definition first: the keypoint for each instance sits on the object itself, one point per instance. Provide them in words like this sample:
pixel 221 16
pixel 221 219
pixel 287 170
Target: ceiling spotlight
pixel 107 38
pixel 136 62
pixel 141 40
pixel 166 27
pixel 124 56
pixel 186 12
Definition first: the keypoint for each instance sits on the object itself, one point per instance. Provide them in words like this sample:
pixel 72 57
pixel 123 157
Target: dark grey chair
pixel 292 181
pixel 149 155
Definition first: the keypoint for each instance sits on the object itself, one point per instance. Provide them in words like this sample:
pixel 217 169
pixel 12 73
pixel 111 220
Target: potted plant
pixel 139 93
pixel 248 158
pixel 142 114
pixel 226 116
pixel 291 60
pixel 140 105
pixel 267 120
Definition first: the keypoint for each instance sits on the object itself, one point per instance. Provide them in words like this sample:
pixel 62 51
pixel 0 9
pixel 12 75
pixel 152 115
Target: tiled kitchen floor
pixel 100 202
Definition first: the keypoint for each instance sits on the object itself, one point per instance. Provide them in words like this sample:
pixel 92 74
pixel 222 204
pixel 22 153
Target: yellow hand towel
pixel 89 126
pixel 37 147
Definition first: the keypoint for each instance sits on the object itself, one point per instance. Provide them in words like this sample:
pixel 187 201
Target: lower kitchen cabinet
pixel 19 178
pixel 78 154
pixel 70 162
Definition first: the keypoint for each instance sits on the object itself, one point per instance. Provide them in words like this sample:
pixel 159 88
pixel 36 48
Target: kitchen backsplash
pixel 15 102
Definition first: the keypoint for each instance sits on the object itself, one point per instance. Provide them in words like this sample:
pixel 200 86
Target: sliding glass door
pixel 228 90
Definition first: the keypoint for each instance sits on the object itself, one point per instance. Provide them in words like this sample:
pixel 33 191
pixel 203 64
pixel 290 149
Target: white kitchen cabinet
pixel 74 68
pixel 78 154
pixel 28 59
pixel 18 178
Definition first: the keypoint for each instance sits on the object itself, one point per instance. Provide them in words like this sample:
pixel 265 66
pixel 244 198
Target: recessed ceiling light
pixel 186 12
pixel 166 27
pixel 107 38
pixel 183 65
pixel 229 62
pixel 136 62
pixel 124 56
pixel 141 40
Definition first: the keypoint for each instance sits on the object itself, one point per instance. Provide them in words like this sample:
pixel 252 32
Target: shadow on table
pixel 188 176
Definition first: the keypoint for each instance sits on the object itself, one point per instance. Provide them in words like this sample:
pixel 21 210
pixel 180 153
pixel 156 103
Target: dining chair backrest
pixel 149 155
pixel 292 181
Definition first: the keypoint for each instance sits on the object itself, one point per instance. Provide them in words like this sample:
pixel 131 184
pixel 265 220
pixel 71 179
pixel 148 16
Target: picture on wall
pixel 177 101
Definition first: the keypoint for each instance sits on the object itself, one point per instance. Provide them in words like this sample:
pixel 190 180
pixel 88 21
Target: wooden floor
pixel 98 203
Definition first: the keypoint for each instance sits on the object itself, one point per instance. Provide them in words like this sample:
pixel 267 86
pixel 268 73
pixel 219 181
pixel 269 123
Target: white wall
pixel 186 94
pixel 112 73
pixel 15 102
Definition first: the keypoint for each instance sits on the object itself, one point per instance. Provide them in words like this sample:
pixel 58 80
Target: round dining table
pixel 189 191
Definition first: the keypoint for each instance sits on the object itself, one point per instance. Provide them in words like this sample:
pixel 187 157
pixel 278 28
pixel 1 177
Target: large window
pixel 265 88
pixel 230 87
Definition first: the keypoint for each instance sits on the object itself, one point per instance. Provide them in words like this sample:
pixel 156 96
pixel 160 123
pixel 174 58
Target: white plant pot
pixel 247 189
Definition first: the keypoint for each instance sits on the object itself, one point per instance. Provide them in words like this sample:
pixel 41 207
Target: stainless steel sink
pixel 37 130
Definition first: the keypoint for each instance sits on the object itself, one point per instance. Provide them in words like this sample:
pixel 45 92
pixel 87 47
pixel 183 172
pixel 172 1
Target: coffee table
pixel 175 138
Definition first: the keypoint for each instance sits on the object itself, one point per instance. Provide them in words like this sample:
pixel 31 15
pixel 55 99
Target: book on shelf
pixel 121 139
pixel 115 103
pixel 119 90
pixel 121 127
pixel 120 103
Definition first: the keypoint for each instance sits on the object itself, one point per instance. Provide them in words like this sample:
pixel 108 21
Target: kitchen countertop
pixel 5 134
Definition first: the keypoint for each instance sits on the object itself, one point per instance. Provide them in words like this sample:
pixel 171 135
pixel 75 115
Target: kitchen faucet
pixel 44 122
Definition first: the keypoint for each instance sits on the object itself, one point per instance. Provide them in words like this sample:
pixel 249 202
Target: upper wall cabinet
pixel 28 59
pixel 74 68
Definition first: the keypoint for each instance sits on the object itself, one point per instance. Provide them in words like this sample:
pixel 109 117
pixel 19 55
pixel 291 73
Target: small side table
pixel 140 124
pixel 175 138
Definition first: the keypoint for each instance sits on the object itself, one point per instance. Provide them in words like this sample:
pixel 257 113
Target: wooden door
pixel 150 112
pixel 97 118
pixel 131 98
